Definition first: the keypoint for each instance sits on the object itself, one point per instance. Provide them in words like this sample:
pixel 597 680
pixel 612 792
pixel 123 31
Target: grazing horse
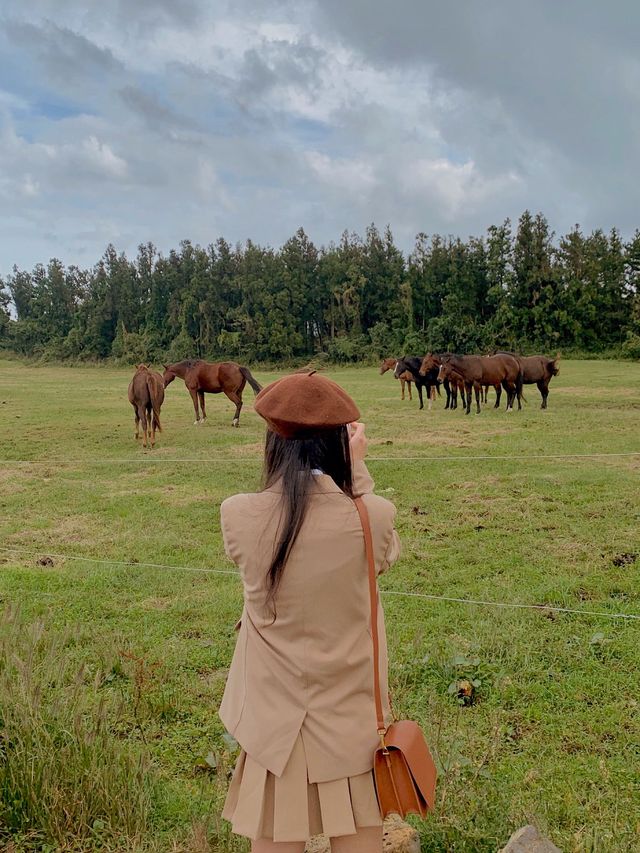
pixel 146 395
pixel 478 370
pixel 203 377
pixel 411 364
pixel 406 377
pixel 538 370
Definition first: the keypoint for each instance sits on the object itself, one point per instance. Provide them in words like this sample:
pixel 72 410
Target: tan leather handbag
pixel 404 771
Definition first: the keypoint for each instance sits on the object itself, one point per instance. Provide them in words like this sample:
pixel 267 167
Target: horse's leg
pixel 543 388
pixel 509 392
pixel 194 397
pixel 430 393
pixel 143 418
pixel 402 389
pixel 478 389
pixel 468 386
pixel 498 388
pixel 135 414
pixel 419 387
pixel 201 398
pixel 235 397
pixel 151 421
pixel 409 390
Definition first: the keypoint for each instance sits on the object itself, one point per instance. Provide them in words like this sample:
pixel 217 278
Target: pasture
pixel 551 732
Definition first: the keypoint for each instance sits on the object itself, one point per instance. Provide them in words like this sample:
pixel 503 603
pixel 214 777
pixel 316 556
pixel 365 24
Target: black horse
pixel 412 364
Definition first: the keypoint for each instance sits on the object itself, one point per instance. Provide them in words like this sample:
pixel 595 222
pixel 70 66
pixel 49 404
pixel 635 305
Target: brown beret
pixel 303 404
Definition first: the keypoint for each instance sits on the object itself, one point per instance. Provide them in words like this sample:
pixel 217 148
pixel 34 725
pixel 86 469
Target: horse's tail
pixel 257 388
pixel 156 401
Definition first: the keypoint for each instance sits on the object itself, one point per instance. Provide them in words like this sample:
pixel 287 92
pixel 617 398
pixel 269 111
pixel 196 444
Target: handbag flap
pixel 408 737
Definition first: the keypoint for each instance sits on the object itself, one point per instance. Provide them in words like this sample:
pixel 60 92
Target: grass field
pixel 553 733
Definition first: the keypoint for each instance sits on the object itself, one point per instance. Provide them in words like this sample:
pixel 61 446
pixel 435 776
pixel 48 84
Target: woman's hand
pixel 357 442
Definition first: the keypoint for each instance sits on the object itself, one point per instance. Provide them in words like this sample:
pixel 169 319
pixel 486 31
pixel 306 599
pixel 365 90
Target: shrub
pixel 631 347
pixel 346 350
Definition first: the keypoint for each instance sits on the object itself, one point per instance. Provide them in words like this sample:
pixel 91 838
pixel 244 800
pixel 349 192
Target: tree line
pixel 357 299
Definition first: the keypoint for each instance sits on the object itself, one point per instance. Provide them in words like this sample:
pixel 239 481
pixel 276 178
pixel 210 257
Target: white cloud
pixel 98 155
pixel 165 119
pixel 350 175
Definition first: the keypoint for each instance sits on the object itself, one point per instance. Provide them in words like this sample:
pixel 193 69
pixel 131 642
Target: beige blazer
pixel 310 671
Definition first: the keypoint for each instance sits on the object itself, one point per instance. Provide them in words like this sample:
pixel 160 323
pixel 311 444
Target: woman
pixel 299 697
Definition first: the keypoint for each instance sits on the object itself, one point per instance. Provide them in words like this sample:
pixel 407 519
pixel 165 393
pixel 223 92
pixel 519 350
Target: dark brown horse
pixel 204 377
pixel 454 382
pixel 479 370
pixel 146 395
pixel 405 378
pixel 538 370
pixel 411 364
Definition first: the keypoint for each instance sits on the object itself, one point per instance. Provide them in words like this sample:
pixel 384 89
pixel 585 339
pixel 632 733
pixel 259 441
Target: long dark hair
pixel 290 461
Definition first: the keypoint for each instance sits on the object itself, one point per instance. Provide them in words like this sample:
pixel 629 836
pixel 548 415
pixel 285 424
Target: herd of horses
pixel 466 374
pixel 458 374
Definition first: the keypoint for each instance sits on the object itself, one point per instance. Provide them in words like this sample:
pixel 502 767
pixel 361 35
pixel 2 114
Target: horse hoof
pixel 235 422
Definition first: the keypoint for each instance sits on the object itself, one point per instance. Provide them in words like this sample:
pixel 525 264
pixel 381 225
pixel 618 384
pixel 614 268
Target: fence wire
pixel 452 599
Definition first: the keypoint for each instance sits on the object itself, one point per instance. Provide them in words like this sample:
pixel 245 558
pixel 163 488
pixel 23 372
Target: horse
pixel 204 377
pixel 406 377
pixel 538 370
pixel 478 370
pixel 430 366
pixel 454 382
pixel 411 364
pixel 146 395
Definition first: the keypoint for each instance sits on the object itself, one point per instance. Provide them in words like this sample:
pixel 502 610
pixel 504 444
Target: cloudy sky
pixel 160 120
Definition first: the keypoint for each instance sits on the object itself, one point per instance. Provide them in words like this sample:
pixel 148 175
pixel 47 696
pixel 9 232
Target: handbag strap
pixel 373 598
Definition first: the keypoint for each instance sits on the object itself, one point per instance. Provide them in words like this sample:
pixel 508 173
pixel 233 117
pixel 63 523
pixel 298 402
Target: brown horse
pixel 479 370
pixel 406 377
pixel 455 382
pixel 538 370
pixel 204 377
pixel 146 395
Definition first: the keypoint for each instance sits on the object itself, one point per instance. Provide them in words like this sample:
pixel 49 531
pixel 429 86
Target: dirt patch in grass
pixel 173 497
pixel 155 603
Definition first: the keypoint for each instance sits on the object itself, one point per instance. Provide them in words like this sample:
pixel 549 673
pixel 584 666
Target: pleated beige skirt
pixel 260 805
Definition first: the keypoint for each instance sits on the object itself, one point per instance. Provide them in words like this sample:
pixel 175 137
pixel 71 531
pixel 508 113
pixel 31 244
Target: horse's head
pixel 428 363
pixel 444 371
pixel 168 376
pixel 399 368
pixel 387 364
pixel 554 367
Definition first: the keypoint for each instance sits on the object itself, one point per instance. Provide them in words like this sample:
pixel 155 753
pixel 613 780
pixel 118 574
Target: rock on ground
pixel 398 837
pixel 529 840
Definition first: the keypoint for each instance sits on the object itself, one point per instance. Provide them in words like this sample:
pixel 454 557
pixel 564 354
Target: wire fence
pixel 393 592
pixel 233 460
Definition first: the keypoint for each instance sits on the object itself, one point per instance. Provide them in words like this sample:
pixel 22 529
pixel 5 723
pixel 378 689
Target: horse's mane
pixel 189 362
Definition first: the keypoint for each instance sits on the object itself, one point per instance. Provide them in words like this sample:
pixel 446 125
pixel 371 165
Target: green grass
pixel 553 734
